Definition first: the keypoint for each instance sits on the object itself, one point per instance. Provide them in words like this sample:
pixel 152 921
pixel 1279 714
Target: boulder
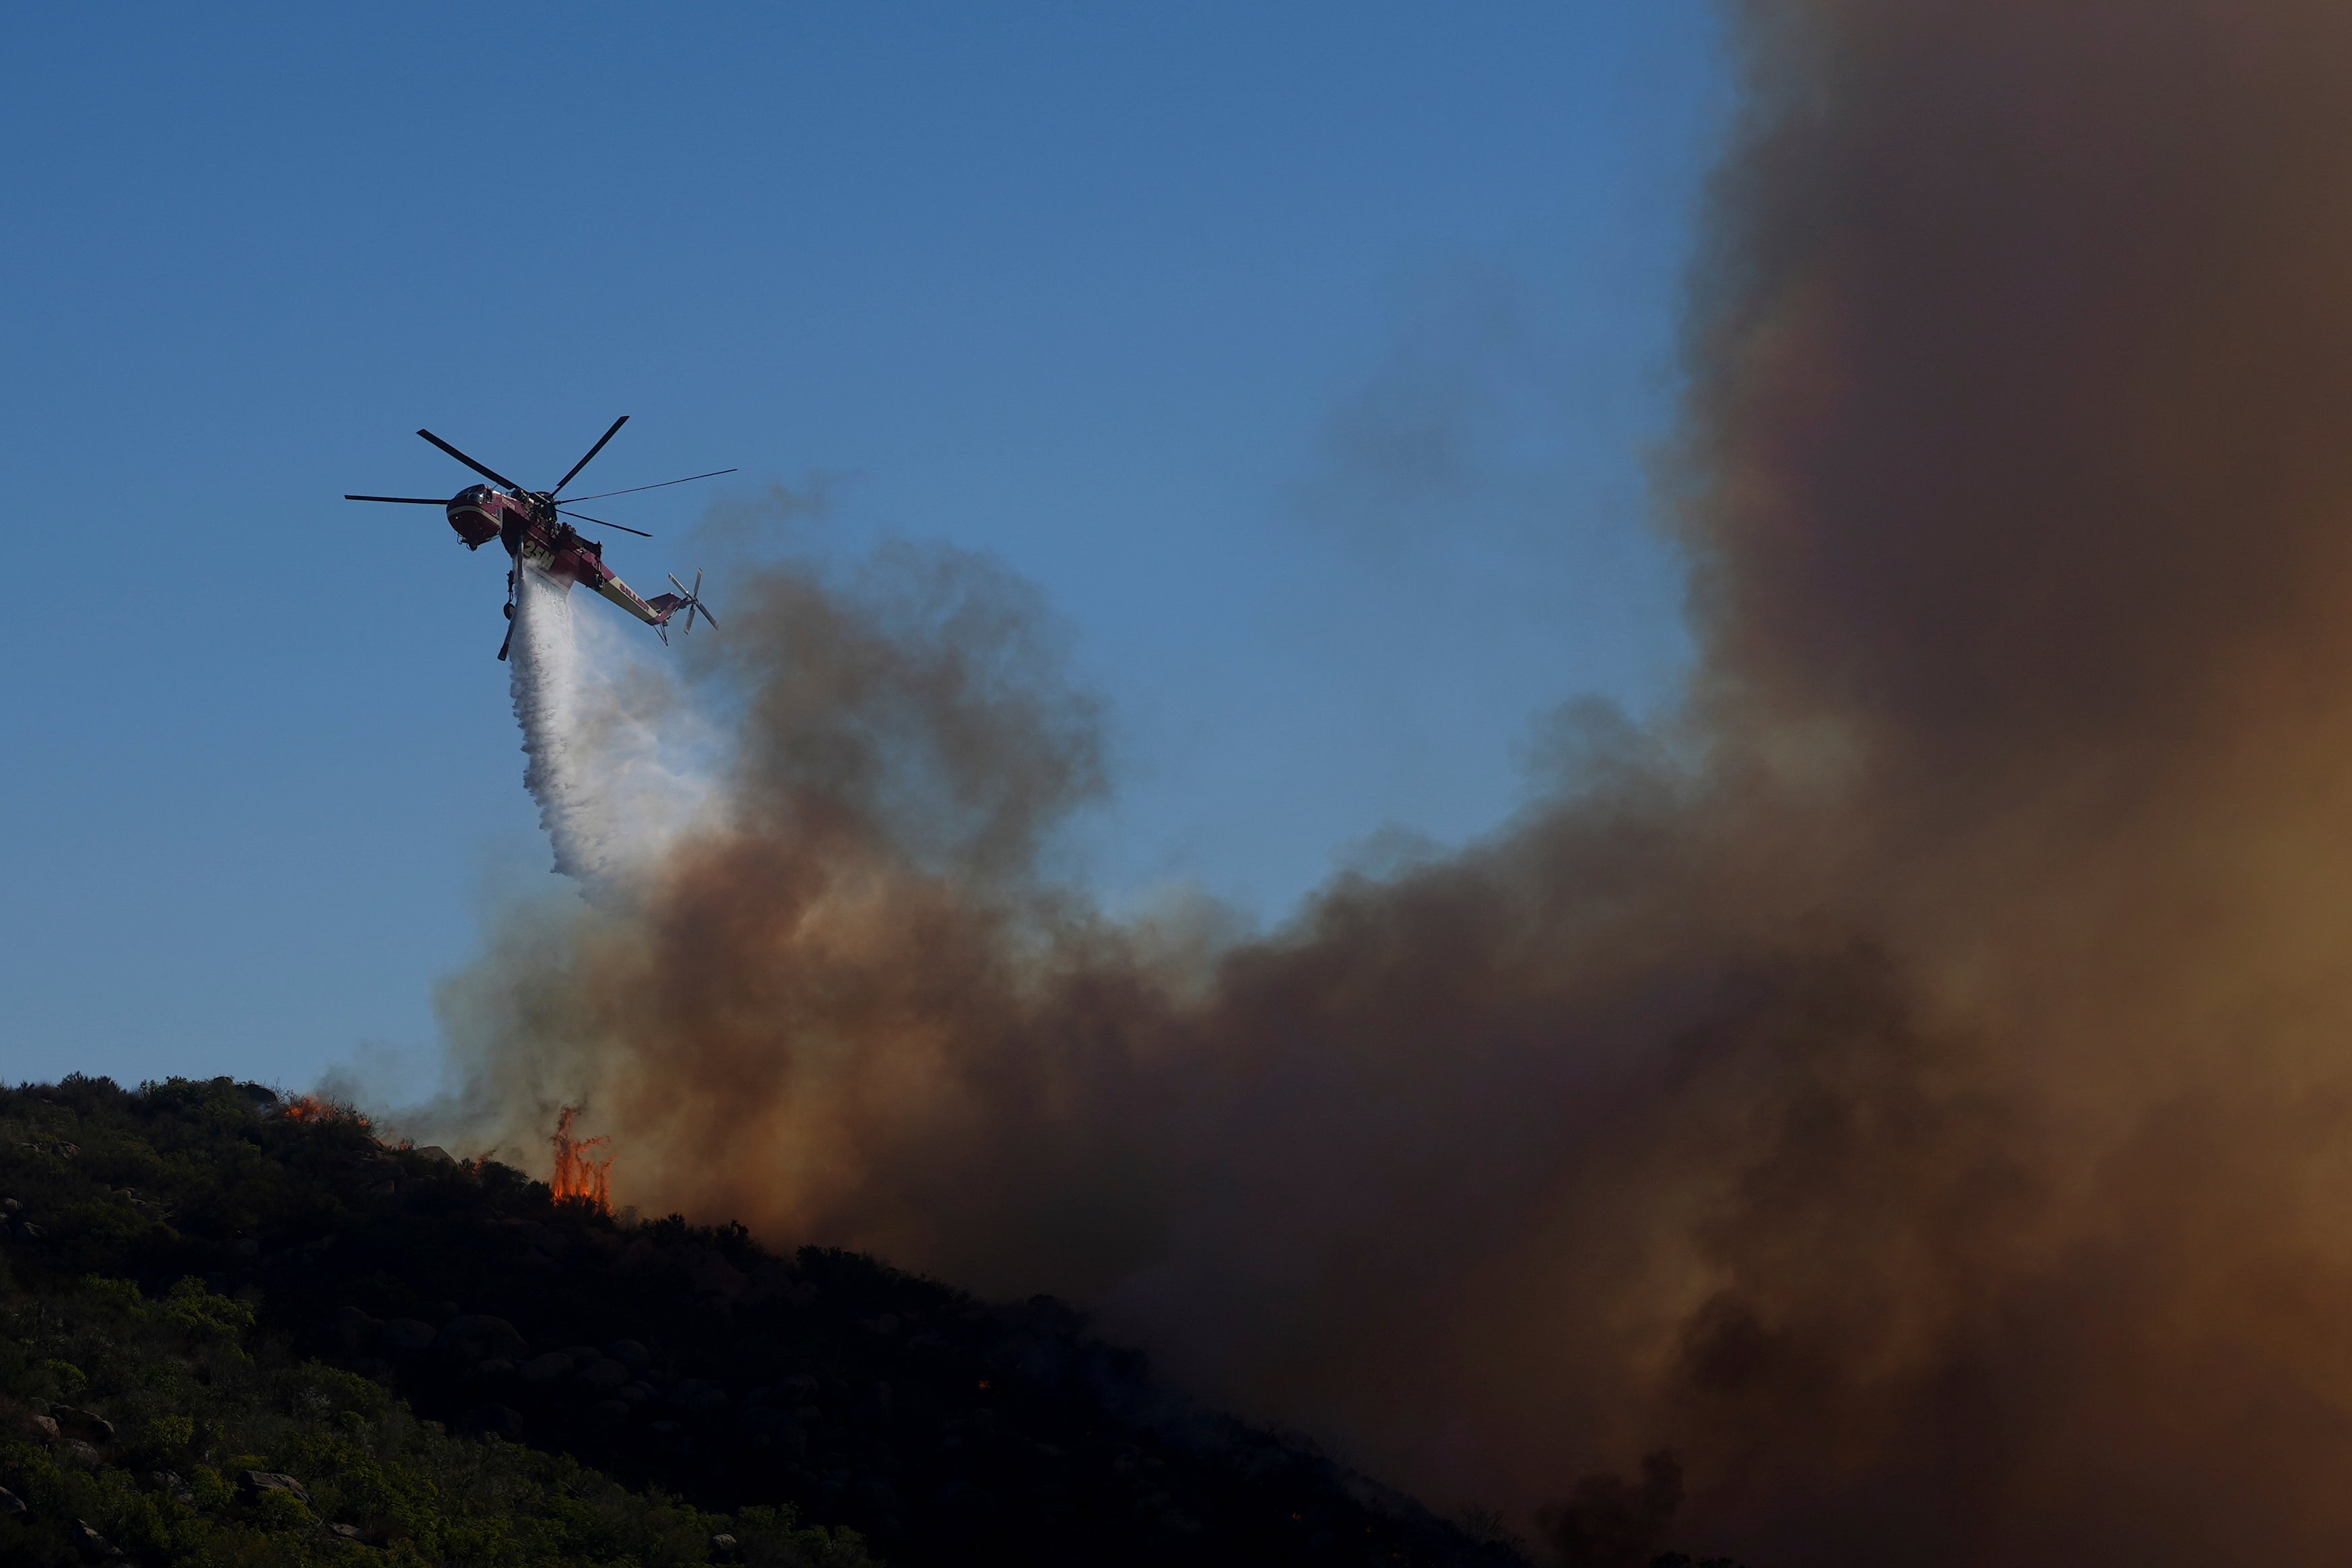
pixel 871 1415
pixel 543 1237
pixel 546 1371
pixel 87 1425
pixel 90 1545
pixel 772 1281
pixel 478 1337
pixel 697 1395
pixel 779 1429
pixel 11 1505
pixel 504 1420
pixel 630 1354
pixel 713 1275
pixel 407 1336
pixel 82 1456
pixel 260 1481
pixel 438 1154
pixel 41 1428
pixel 603 1374
pixel 357 1329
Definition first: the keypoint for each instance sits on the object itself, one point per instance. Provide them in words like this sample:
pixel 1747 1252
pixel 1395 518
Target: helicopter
pixel 536 530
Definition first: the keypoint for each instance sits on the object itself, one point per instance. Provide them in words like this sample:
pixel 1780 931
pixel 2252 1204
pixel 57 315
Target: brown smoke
pixel 1913 1088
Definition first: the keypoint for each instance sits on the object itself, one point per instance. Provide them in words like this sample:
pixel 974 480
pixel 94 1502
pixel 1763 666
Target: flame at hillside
pixel 1911 1085
pixel 315 1107
pixel 580 1175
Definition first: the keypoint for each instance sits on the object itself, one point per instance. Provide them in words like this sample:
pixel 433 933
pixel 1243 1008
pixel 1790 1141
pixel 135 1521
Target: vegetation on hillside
pixel 219 1447
pixel 230 1334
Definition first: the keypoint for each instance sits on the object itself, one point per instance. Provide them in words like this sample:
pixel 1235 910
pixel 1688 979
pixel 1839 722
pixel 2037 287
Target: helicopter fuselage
pixel 527 524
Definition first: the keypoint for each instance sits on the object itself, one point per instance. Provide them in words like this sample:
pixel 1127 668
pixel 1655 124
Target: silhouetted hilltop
pixel 238 1332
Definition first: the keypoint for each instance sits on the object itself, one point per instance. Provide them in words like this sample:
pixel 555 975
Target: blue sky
pixel 1309 357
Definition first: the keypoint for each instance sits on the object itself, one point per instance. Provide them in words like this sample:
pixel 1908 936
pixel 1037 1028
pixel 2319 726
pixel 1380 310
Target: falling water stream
pixel 545 659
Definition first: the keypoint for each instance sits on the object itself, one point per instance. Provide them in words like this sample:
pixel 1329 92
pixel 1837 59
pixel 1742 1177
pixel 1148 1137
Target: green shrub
pixel 280 1510
pixel 120 1294
pixel 63 1376
pixel 213 1494
pixel 200 1312
pixel 167 1433
pixel 192 1386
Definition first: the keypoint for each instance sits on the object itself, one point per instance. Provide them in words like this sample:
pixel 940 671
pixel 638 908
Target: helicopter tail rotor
pixel 690 601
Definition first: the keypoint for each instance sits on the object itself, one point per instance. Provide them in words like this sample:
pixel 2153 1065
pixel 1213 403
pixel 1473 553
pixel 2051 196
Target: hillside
pixel 236 1331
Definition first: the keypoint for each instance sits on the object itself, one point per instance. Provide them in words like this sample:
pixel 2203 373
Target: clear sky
pixel 1308 356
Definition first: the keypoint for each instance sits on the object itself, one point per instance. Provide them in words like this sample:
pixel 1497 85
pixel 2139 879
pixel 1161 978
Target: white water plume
pixel 604 737
pixel 545 659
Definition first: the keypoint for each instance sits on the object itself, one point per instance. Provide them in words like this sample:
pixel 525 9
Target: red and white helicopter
pixel 531 525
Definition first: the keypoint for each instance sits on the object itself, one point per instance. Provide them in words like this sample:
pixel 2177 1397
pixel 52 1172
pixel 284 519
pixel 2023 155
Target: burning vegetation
pixel 312 1107
pixel 581 1175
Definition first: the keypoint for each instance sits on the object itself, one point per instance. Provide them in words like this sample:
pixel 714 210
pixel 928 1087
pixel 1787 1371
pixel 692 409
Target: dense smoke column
pixel 1911 1088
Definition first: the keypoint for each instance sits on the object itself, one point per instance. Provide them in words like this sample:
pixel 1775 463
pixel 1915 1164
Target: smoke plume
pixel 1911 1085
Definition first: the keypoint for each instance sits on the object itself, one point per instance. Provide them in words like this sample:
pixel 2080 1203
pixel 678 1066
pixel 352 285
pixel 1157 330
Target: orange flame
pixel 311 1108
pixel 580 1178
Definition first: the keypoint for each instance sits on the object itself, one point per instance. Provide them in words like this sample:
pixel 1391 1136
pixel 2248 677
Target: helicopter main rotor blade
pixel 490 474
pixel 600 523
pixel 406 501
pixel 632 490
pixel 582 463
